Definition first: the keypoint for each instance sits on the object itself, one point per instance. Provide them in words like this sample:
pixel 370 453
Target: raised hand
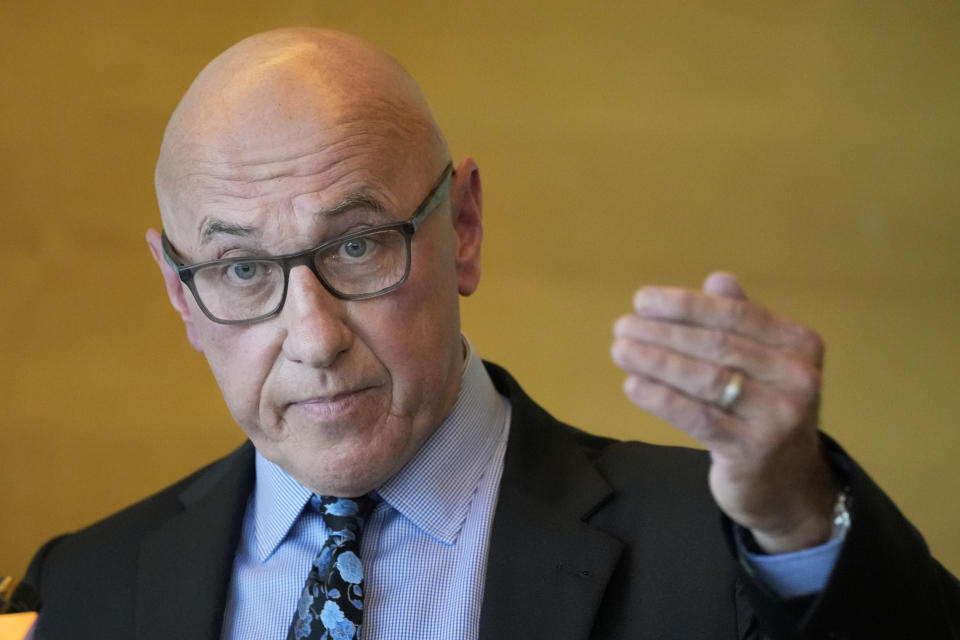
pixel 745 382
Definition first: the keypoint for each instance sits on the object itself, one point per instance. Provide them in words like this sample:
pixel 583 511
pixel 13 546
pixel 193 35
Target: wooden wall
pixel 813 148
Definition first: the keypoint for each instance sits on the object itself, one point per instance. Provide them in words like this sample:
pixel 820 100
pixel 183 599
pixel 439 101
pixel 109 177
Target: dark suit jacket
pixel 592 538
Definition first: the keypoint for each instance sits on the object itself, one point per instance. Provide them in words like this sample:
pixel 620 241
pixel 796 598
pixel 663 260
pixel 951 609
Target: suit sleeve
pixel 885 583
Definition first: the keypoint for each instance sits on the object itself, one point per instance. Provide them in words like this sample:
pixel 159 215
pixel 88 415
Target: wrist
pixel 814 531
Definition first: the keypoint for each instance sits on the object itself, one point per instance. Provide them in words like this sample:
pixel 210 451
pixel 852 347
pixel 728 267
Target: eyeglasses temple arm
pixel 438 195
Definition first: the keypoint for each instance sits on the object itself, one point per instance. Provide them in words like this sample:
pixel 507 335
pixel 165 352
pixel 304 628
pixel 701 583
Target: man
pixel 316 239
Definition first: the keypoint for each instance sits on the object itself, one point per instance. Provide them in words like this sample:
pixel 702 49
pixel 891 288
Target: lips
pixel 332 405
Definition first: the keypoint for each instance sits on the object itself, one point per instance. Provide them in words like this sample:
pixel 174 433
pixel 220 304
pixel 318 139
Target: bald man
pixel 316 239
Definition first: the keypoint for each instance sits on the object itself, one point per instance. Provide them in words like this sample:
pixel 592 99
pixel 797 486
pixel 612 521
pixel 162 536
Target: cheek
pixel 241 361
pixel 415 335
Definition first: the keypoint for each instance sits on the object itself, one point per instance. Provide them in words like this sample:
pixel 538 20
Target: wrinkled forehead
pixel 291 193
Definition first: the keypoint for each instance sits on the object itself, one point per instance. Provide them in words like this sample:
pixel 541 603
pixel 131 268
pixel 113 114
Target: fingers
pixel 698 379
pixel 720 283
pixel 706 382
pixel 736 315
pixel 682 348
pixel 704 422
pixel 723 348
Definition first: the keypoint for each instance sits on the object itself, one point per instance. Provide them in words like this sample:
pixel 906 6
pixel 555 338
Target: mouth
pixel 332 405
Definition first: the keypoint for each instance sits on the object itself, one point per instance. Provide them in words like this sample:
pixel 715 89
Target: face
pixel 339 393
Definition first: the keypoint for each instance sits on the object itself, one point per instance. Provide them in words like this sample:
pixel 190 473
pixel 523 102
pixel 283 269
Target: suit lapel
pixel 185 566
pixel 544 586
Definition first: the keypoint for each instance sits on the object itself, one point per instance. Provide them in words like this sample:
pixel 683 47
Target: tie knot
pixel 344 517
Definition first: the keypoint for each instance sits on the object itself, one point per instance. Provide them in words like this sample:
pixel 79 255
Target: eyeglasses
pixel 356 266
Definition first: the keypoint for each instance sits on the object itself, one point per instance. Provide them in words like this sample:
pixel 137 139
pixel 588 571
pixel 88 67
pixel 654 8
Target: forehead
pixel 285 187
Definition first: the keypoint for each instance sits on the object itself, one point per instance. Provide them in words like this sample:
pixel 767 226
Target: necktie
pixel 331 603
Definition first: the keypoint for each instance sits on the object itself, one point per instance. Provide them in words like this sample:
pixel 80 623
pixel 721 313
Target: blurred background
pixel 812 148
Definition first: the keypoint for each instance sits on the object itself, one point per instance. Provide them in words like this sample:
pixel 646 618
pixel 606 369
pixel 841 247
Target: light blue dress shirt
pixel 424 549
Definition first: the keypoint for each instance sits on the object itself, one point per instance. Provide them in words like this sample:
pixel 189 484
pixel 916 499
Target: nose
pixel 316 329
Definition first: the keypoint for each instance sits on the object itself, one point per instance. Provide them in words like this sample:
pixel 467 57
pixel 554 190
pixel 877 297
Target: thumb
pixel 721 283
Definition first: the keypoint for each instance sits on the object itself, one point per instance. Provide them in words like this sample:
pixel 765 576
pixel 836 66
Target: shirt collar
pixel 278 500
pixel 436 487
pixel 433 490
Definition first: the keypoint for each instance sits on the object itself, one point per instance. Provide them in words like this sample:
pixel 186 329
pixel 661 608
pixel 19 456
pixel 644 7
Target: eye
pixel 244 270
pixel 355 248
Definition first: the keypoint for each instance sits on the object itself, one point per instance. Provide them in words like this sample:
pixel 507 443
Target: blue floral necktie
pixel 331 603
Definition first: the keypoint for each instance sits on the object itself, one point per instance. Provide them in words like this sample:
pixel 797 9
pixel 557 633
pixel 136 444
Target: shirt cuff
pixel 790 575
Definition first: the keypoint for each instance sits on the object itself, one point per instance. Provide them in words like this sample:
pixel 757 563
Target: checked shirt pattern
pixel 331 603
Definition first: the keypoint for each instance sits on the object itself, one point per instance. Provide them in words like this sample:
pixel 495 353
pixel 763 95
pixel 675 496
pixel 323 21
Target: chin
pixel 348 474
pixel 343 485
pixel 340 458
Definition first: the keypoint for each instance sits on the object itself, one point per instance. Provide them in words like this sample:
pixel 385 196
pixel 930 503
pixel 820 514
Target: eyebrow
pixel 216 226
pixel 356 200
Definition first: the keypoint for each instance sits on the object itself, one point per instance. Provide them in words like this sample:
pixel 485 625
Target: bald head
pixel 291 92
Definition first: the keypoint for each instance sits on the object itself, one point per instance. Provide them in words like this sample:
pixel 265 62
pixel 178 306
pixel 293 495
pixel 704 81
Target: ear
pixel 175 288
pixel 466 197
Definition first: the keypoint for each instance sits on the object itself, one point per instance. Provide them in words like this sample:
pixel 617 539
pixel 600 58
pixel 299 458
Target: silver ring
pixel 731 392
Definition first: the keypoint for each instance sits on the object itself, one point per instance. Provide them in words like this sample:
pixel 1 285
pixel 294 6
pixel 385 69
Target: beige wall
pixel 813 148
